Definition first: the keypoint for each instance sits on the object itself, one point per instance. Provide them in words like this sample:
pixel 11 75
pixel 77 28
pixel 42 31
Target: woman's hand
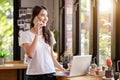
pixel 67 70
pixel 38 27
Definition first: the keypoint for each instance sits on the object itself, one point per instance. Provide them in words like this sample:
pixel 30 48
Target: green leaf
pixel 3 53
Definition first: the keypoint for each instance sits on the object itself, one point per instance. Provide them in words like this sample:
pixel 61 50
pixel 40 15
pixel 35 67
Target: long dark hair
pixel 46 31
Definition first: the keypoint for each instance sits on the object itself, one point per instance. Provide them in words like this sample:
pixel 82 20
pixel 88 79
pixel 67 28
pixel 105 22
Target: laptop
pixel 79 66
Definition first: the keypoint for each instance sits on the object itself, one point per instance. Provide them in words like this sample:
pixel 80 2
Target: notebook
pixel 79 66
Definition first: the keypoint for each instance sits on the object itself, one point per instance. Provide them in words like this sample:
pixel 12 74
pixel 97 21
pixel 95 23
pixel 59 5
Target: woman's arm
pixel 30 49
pixel 56 63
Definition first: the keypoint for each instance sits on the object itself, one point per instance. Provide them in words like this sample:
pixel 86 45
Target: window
pixel 92 28
pixel 105 21
pixel 68 26
pixel 6 28
pixel 85 12
pixel 65 29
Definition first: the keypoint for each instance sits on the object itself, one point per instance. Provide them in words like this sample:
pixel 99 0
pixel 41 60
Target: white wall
pixel 56 14
pixel 31 3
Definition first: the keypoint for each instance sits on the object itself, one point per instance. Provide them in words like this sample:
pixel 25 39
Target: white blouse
pixel 42 62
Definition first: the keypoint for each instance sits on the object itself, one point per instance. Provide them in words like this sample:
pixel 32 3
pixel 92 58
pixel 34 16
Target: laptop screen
pixel 80 65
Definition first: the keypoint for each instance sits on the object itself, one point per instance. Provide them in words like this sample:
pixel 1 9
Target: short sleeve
pixel 24 38
pixel 53 39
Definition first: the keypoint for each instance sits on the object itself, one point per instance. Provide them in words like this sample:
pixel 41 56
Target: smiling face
pixel 43 16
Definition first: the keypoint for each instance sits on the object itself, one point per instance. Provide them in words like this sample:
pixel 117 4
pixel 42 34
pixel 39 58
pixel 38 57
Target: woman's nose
pixel 46 18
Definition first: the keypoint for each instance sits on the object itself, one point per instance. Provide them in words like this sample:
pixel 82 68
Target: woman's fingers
pixel 40 23
pixel 66 71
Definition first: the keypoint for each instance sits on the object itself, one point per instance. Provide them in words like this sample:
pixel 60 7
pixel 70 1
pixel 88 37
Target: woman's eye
pixel 43 15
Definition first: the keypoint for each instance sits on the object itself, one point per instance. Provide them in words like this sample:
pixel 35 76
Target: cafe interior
pixel 80 27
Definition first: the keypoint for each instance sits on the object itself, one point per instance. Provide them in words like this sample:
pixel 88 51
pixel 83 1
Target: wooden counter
pixel 13 66
pixel 16 71
pixel 12 70
pixel 87 77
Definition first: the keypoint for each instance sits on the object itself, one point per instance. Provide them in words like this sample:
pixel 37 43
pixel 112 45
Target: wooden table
pixel 13 66
pixel 15 71
pixel 12 70
pixel 87 77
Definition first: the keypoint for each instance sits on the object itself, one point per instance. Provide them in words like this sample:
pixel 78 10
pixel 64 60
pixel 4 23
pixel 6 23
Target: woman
pixel 38 43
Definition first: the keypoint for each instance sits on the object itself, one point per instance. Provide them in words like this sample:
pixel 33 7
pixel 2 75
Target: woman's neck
pixel 35 31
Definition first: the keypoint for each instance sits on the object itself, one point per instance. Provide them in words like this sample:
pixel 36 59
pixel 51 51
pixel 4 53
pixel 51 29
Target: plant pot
pixel 2 61
pixel 108 74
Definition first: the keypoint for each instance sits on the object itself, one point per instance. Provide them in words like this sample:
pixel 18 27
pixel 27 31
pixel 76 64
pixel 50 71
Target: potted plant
pixel 109 71
pixel 3 54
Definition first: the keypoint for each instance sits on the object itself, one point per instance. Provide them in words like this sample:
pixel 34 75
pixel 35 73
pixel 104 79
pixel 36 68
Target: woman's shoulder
pixel 25 33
